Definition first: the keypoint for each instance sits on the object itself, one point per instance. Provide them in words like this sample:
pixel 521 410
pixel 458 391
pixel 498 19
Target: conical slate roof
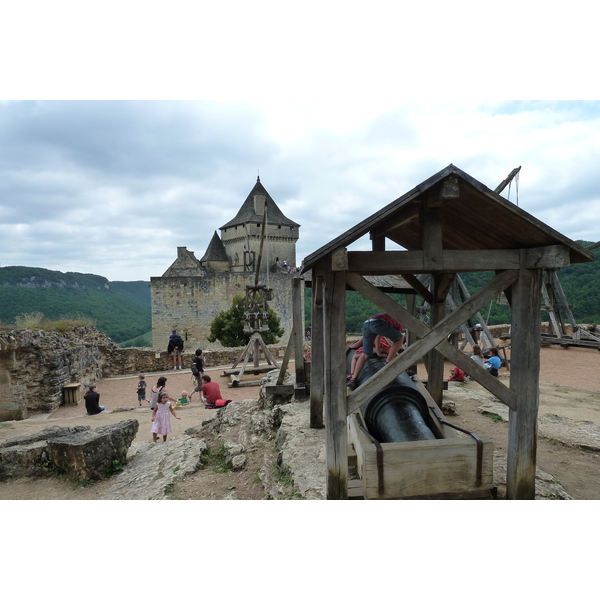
pixel 247 214
pixel 215 250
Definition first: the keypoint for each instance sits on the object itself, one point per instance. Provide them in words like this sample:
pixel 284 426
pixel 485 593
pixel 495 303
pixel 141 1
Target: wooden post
pixel 298 320
pixel 435 361
pixel 317 372
pixel 336 434
pixel 524 381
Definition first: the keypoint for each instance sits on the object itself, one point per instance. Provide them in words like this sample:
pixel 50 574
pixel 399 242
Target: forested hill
pixel 120 309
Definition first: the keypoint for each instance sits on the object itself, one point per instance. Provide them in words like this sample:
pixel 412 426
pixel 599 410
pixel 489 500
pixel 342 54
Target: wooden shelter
pixel 449 224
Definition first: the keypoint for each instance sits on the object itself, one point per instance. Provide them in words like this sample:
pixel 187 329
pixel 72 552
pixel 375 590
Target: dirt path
pixel 570 388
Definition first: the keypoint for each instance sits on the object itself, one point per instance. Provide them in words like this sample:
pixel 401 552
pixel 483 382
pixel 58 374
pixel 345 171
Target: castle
pixel 192 292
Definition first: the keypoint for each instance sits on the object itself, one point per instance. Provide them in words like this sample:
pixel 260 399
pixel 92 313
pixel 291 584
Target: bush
pixel 228 326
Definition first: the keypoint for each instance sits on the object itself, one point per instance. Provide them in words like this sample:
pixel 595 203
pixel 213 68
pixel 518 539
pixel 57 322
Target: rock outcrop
pixel 36 365
pixel 79 452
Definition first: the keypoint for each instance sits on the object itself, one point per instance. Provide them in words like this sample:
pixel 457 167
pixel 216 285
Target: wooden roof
pixel 392 284
pixel 474 218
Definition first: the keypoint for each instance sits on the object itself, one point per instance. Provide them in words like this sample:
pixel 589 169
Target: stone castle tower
pixel 192 292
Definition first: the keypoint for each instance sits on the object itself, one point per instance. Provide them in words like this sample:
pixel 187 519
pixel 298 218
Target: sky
pixel 124 135
pixel 130 128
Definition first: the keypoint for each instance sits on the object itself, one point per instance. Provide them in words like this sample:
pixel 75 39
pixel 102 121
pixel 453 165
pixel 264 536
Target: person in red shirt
pixel 380 324
pixel 210 393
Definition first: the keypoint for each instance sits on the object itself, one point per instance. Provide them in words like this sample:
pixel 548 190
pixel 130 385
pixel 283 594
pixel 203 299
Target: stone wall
pixel 131 361
pixel 190 304
pixel 35 365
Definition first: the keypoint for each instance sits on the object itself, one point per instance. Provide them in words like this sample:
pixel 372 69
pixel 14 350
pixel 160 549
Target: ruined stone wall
pixel 190 304
pixel 35 365
pixel 132 361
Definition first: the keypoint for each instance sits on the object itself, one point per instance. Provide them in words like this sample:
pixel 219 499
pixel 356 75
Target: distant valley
pixel 120 309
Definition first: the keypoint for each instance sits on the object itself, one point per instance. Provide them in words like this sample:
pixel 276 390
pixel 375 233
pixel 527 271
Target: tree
pixel 228 326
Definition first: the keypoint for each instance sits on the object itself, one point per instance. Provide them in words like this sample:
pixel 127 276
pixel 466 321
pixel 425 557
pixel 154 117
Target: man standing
pixel 175 348
pixel 197 372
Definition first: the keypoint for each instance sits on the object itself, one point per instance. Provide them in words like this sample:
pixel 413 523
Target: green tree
pixel 228 326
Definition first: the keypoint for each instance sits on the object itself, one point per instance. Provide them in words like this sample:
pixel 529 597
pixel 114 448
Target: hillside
pixel 120 309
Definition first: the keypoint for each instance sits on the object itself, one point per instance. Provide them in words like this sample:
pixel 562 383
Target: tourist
pixel 141 390
pixel 161 419
pixel 184 398
pixel 197 372
pixel 456 374
pixel 92 401
pixel 155 391
pixel 493 363
pixel 379 324
pixel 477 355
pixel 211 393
pixel 175 348
pixel 381 347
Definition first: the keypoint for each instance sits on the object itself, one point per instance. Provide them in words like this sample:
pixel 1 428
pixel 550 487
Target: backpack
pixel 197 366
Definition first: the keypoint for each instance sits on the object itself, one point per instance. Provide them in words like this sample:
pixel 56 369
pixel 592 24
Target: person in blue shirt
pixel 493 362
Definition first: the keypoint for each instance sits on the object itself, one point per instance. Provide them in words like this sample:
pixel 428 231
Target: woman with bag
pixel 155 391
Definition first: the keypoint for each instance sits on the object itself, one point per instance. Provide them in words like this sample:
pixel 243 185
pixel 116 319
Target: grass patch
pixel 37 321
pixel 283 475
pixel 493 416
pixel 115 467
pixel 215 459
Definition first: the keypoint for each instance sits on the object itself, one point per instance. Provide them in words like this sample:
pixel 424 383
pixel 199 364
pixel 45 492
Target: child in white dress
pixel 161 418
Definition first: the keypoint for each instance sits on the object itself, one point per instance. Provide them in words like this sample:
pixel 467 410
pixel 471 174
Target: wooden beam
pixel 435 360
pixel 339 259
pixel 298 330
pixel 481 376
pixel 430 222
pixel 429 338
pixel 524 382
pixel 421 289
pixel 336 434
pixel 286 358
pixel 398 262
pixel 317 367
pixel 377 242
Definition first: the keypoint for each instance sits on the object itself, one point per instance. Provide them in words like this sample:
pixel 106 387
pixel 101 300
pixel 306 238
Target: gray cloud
pixel 112 187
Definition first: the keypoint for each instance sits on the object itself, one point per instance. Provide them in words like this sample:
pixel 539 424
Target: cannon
pixel 405 448
pixel 399 412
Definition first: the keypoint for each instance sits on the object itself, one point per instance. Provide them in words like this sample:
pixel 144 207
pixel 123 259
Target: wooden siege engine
pixel 447 225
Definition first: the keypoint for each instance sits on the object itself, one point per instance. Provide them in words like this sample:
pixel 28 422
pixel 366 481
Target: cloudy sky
pixel 340 112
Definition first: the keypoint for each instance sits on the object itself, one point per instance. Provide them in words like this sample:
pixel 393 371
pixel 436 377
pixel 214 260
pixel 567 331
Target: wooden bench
pixel 72 393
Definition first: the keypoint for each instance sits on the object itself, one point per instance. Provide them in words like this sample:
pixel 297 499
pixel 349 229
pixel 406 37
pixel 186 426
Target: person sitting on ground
pixel 184 399
pixel 92 401
pixel 456 374
pixel 379 324
pixel 477 355
pixel 493 363
pixel 211 393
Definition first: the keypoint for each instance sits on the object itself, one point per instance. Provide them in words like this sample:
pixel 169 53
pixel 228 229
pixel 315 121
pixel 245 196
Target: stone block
pixel 90 454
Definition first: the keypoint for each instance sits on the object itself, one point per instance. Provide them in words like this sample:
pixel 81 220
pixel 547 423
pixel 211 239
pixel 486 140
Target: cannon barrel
pixel 398 413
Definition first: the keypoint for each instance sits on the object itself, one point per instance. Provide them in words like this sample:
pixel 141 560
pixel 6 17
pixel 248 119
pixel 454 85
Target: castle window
pixel 236 259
